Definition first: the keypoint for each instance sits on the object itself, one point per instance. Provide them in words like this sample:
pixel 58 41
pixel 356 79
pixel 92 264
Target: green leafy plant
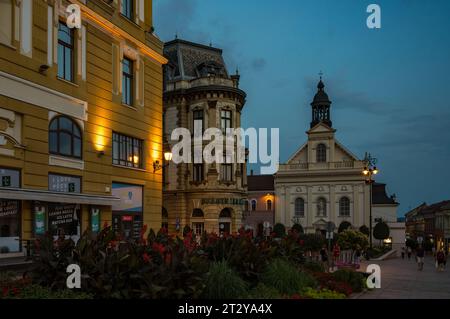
pixel 344 226
pixel 279 230
pixel 298 228
pixel 323 294
pixel 223 283
pixel 262 291
pixel 355 279
pixel 286 278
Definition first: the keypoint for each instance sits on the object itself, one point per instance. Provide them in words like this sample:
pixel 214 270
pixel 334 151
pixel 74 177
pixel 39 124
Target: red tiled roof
pixel 260 183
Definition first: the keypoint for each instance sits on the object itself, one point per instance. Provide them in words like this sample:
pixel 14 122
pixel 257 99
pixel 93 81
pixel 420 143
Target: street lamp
pixel 369 170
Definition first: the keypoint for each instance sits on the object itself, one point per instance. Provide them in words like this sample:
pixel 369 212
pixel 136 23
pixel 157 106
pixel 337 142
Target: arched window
pixel 322 207
pixel 321 153
pixel 299 207
pixel 269 204
pixel 197 213
pixel 344 206
pixel 65 137
pixel 225 213
pixel 253 204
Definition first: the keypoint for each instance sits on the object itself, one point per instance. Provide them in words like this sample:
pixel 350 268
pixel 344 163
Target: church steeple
pixel 321 106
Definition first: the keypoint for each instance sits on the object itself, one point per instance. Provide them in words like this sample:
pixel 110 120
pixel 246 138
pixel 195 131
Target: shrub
pixel 328 281
pixel 313 242
pixel 365 230
pixel 313 266
pixel 353 278
pixel 262 291
pixel 352 239
pixel 286 278
pixel 298 228
pixel 323 294
pixel 223 283
pixel 344 226
pixel 39 292
pixel 279 230
pixel 381 231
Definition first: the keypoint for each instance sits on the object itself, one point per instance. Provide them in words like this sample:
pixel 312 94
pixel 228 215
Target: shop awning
pixel 55 197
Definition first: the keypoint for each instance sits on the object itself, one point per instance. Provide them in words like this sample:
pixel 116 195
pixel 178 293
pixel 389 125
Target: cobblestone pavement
pixel 401 279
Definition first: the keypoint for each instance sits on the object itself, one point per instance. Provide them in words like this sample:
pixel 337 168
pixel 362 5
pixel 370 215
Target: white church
pixel 323 181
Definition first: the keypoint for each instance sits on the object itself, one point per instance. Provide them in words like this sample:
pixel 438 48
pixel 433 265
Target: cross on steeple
pixel 321 74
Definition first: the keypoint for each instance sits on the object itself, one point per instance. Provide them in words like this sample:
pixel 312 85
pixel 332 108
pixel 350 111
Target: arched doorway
pixel 225 221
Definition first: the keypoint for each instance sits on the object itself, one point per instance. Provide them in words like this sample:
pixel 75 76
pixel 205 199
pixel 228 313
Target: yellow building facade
pixel 80 119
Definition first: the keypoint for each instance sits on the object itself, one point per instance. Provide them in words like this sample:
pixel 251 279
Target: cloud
pixel 258 64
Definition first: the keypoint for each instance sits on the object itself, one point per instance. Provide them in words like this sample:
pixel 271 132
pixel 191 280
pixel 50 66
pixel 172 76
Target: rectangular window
pixel 127 151
pixel 6 14
pixel 226 171
pixel 65 52
pixel 225 120
pixel 10 214
pixel 127 81
pixel 126 9
pixel 198 228
pixel 197 116
pixel 198 172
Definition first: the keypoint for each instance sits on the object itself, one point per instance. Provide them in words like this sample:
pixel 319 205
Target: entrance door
pixel 225 227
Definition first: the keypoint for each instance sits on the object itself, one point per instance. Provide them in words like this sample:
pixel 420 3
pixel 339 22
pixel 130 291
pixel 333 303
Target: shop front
pixel 127 214
pixel 10 214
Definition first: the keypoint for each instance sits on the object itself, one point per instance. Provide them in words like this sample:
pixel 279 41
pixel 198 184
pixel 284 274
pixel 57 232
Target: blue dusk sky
pixel 389 86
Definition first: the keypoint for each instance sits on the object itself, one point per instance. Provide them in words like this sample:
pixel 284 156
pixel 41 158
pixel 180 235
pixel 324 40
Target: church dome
pixel 321 97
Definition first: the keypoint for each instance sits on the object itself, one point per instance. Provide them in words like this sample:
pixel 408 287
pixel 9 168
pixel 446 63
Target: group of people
pixel 440 257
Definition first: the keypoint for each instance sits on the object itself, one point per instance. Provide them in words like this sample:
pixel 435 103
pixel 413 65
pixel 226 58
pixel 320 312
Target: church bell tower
pixel 321 106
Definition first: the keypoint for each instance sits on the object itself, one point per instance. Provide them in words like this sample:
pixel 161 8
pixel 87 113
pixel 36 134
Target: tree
pixel 352 239
pixel 298 228
pixel 381 231
pixel 279 230
pixel 343 226
pixel 365 230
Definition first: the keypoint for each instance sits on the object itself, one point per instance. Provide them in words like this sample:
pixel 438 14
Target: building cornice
pixel 114 30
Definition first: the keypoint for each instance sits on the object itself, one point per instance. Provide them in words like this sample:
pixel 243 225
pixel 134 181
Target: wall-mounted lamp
pixel 43 68
pixel 167 158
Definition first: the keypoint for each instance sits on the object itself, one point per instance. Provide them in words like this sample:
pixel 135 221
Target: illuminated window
pixel 127 151
pixel 269 204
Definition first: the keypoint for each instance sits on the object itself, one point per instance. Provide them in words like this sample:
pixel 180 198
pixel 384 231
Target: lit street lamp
pixel 369 170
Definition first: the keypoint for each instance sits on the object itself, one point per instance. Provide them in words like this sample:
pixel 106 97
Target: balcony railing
pixel 305 166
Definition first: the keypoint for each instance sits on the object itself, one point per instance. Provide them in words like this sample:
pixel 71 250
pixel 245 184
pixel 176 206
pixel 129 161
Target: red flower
pixel 146 258
pixel 158 248
pixel 168 258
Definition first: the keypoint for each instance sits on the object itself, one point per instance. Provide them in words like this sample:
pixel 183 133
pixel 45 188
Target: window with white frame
pixel 344 206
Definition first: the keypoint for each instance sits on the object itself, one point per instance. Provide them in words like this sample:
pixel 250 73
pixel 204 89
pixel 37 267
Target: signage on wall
pixel 64 184
pixel 63 216
pixel 9 208
pixel 223 201
pixel 95 219
pixel 130 197
pixel 9 177
pixel 39 219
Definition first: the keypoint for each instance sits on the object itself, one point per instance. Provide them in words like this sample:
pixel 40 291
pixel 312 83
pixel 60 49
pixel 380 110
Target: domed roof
pixel 321 97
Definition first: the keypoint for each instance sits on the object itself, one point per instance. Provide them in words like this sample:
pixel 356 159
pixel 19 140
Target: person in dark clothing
pixel 420 254
pixel 324 257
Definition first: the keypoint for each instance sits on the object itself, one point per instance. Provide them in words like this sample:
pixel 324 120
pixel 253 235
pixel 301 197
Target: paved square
pixel 401 279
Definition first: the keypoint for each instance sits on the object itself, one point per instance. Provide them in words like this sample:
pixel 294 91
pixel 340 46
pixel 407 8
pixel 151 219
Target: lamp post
pixel 369 170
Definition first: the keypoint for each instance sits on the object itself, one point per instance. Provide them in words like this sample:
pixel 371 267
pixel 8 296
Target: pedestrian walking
pixel 403 252
pixel 324 258
pixel 440 260
pixel 409 252
pixel 420 254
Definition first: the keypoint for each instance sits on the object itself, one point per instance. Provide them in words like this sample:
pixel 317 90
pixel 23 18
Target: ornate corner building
pixel 80 119
pixel 199 89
